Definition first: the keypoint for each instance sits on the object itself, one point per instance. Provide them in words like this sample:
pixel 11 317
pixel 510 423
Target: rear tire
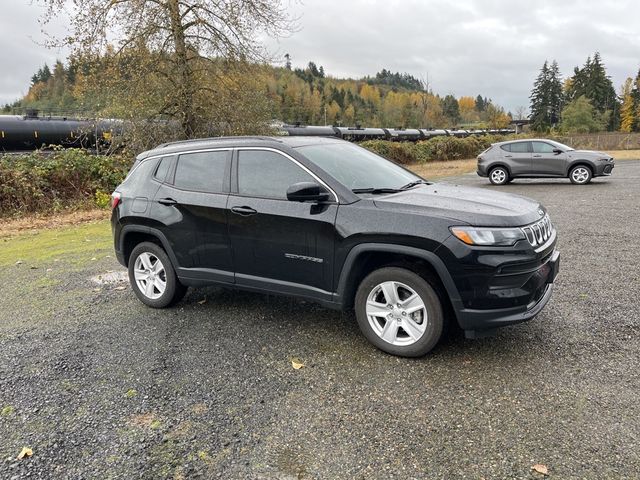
pixel 153 278
pixel 499 176
pixel 580 175
pixel 399 312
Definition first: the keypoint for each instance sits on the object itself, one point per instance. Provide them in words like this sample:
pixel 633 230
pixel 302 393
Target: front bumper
pixel 480 323
pixel 604 170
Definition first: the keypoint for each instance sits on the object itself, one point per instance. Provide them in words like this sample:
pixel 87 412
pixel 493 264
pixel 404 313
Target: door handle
pixel 537 156
pixel 508 156
pixel 167 201
pixel 244 211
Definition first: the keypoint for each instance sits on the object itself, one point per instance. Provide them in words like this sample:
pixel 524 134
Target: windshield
pixel 559 145
pixel 357 168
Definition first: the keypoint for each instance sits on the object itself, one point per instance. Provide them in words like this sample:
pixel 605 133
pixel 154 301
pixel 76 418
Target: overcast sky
pixel 464 47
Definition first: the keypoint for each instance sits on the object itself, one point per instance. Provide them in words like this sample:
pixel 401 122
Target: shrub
pixel 434 149
pixel 49 181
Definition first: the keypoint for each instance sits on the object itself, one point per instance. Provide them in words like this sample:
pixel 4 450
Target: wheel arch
pixel 132 235
pixel 581 162
pixel 499 164
pixel 365 258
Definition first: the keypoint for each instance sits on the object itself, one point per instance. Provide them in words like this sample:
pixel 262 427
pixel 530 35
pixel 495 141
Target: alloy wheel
pixel 499 176
pixel 396 313
pixel 150 275
pixel 580 175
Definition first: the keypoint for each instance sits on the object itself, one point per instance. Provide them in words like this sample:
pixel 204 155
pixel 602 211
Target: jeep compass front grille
pixel 538 233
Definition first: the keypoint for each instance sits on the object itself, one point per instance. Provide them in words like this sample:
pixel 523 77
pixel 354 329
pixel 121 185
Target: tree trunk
pixel 185 92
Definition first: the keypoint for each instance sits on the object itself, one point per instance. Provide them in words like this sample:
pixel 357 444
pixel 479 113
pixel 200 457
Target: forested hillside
pixel 249 92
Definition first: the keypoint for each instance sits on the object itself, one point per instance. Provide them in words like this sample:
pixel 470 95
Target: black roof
pixel 240 141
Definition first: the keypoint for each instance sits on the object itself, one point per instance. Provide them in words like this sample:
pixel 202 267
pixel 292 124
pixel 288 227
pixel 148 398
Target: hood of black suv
pixel 465 205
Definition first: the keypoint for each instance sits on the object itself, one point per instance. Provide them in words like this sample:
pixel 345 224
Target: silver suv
pixel 538 158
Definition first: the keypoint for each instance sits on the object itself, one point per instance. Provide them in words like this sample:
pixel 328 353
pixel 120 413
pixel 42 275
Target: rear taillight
pixel 115 199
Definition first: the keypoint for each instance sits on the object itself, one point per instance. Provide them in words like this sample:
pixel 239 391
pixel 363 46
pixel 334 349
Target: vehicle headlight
pixel 488 237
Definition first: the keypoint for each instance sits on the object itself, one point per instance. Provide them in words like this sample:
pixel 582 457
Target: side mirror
pixel 557 151
pixel 307 192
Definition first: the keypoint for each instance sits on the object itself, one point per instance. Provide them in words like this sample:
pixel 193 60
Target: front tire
pixel 499 176
pixel 399 312
pixel 153 278
pixel 580 175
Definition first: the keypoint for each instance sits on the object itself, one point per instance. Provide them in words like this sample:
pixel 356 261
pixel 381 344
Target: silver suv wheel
pixel 396 313
pixel 499 176
pixel 580 175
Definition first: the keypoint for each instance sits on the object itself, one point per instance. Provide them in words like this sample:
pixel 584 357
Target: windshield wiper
pixel 375 190
pixel 414 183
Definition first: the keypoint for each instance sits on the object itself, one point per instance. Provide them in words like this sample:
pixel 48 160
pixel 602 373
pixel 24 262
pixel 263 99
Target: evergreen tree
pixel 592 82
pixel 451 108
pixel 480 105
pixel 547 98
pixel 635 94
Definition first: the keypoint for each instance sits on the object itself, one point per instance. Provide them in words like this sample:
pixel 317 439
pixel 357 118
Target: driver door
pixel 546 161
pixel 277 243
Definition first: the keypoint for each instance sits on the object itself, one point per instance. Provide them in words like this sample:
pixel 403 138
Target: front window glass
pixel 543 147
pixel 266 174
pixel 356 167
pixel 561 146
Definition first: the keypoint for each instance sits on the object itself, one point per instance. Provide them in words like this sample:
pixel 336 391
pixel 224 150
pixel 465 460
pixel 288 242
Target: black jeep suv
pixel 326 220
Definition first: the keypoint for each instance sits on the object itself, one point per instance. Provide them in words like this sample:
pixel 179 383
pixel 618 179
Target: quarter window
pixel 202 171
pixel 266 174
pixel 162 169
pixel 506 147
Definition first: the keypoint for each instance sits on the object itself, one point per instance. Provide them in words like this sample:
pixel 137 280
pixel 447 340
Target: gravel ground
pixel 98 386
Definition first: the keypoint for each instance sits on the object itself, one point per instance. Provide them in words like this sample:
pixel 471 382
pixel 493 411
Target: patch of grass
pixel 82 242
pixel 624 154
pixel 450 168
pixel 6 411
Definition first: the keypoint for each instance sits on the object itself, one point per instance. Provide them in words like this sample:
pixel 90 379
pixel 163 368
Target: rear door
pixel 279 244
pixel 547 162
pixel 191 208
pixel 518 157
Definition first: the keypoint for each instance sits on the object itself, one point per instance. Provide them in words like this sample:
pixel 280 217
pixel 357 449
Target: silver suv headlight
pixel 488 236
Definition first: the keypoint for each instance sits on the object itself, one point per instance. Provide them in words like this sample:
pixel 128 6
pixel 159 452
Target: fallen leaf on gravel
pixel 19 262
pixel 97 289
pixel 540 469
pixel 26 452
pixel 203 301
pixel 297 363
pixel 121 287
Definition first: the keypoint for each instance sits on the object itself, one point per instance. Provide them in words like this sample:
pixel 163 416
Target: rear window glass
pixel 506 147
pixel 520 147
pixel 202 171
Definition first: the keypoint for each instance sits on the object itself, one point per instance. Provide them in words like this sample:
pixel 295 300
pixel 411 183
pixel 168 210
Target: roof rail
pixel 209 139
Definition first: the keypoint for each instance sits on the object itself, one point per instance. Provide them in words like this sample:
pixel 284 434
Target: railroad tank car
pixel 31 132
